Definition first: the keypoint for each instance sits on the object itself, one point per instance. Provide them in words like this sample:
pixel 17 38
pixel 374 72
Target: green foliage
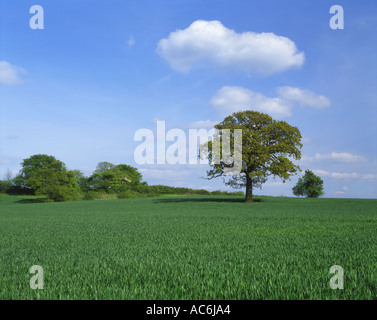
pixel 129 194
pixel 37 162
pixel 161 190
pixel 103 166
pixel 114 179
pixel 201 192
pixel 267 148
pixel 309 185
pixel 57 184
pixel 30 167
pixel 43 174
pixel 20 186
pixel 82 181
pixel 6 184
pixel 189 248
pixel 98 195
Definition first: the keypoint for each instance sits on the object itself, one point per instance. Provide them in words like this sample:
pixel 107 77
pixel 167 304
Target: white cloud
pixel 164 174
pixel 306 140
pixel 10 74
pixel 345 176
pixel 211 41
pixel 131 41
pixel 208 188
pixel 352 175
pixel 370 176
pixel 303 97
pixel 335 156
pixel 203 124
pixel 275 184
pixel 342 157
pixel 321 172
pixel 232 99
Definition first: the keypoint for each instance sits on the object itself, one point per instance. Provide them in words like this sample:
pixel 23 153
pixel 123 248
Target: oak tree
pixel 268 149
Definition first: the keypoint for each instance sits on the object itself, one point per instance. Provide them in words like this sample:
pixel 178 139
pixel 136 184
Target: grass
pixel 188 247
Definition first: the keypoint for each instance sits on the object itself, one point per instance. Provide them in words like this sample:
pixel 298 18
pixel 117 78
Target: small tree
pixel 309 185
pixel 7 183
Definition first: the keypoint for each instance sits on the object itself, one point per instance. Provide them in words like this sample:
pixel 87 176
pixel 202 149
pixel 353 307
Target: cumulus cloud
pixel 343 191
pixel 303 97
pixel 232 99
pixel 10 74
pixel 211 41
pixel 335 156
pixel 346 175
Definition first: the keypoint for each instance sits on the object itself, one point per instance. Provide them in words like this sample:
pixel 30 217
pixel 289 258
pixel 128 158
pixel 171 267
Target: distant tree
pixel 32 165
pixel 7 183
pixel 103 166
pixel 309 185
pixel 82 180
pixel 116 179
pixel 8 175
pixel 268 147
pixel 129 174
pixel 19 186
pixel 44 174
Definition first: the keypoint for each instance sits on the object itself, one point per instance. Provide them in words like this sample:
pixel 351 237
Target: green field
pixel 188 247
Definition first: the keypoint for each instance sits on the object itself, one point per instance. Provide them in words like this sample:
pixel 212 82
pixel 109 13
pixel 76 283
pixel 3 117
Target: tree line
pixel 268 148
pixel 43 174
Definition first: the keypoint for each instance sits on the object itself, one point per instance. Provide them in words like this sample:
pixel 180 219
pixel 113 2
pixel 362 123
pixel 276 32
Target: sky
pixel 99 71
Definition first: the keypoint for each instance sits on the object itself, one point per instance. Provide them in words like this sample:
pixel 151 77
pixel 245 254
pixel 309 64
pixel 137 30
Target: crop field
pixel 188 247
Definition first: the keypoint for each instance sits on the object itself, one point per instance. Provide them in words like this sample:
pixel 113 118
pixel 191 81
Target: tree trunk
pixel 249 189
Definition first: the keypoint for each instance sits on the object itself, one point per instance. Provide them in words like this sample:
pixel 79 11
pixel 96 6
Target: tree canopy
pixel 114 178
pixel 309 185
pixel 44 174
pixel 268 148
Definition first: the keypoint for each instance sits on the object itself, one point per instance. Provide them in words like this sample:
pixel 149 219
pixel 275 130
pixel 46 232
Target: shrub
pixel 63 193
pixel 129 194
pixel 201 192
pixel 96 195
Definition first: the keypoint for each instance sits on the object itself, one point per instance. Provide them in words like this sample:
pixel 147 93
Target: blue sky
pixel 80 88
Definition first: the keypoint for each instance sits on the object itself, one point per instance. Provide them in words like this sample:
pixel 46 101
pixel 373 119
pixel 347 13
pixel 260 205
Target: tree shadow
pixel 31 200
pixel 204 199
